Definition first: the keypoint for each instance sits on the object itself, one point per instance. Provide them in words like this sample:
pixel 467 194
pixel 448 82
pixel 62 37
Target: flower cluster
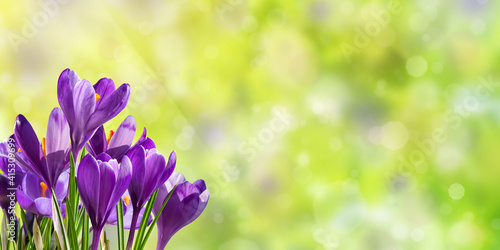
pixel 118 182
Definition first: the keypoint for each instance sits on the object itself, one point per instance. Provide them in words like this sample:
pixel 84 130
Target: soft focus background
pixel 317 124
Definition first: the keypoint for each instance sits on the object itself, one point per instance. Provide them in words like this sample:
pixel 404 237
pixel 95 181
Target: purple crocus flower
pixel 88 107
pixel 101 184
pixel 149 172
pixel 35 197
pixel 49 159
pixel 184 206
pixel 118 143
pixel 11 176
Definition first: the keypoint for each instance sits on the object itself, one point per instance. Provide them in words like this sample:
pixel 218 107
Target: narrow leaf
pixel 37 237
pixel 144 221
pixel 59 223
pixel 119 225
pixel 153 224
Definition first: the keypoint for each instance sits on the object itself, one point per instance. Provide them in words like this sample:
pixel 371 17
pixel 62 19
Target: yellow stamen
pixel 19 150
pixel 44 188
pixel 43 147
pixel 111 133
pixel 97 96
pixel 127 200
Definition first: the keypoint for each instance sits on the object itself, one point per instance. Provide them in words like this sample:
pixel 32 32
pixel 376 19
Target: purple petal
pixel 43 206
pixel 107 185
pixel 98 143
pixel 104 87
pixel 31 186
pixel 57 132
pixel 137 157
pixel 110 106
pixel 57 144
pixel 155 166
pixel 174 179
pixel 61 188
pixel 103 157
pixel 28 141
pixel 148 144
pixel 25 202
pixel 65 85
pixel 122 139
pixel 169 169
pixel 122 182
pixel 88 182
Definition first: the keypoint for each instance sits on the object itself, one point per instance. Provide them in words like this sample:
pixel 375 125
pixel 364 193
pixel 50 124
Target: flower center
pixel 43 147
pixel 127 200
pixel 111 133
pixel 19 150
pixel 44 188
pixel 97 96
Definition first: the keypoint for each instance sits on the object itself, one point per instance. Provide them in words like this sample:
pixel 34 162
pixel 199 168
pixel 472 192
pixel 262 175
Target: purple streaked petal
pixel 103 157
pixel 65 85
pixel 110 106
pixel 137 157
pixel 43 206
pixel 31 186
pixel 148 144
pixel 122 139
pixel 200 185
pixel 104 87
pixel 57 132
pixel 62 185
pixel 122 182
pixel 97 144
pixel 169 169
pixel 28 141
pixel 155 166
pixel 25 202
pixel 174 179
pixel 88 182
pixel 107 184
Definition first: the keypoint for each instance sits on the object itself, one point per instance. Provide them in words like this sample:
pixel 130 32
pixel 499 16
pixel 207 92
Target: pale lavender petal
pixel 122 139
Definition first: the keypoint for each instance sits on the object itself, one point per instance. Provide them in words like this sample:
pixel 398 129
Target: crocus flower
pixel 101 184
pixel 88 107
pixel 149 172
pixel 118 143
pixel 11 176
pixel 49 159
pixel 127 214
pixel 184 206
pixel 34 196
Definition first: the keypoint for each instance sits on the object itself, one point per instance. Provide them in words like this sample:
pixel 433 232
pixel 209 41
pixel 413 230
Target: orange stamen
pixel 44 188
pixel 127 200
pixel 19 150
pixel 43 147
pixel 97 96
pixel 111 133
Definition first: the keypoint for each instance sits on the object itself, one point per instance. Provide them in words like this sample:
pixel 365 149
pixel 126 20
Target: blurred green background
pixel 317 124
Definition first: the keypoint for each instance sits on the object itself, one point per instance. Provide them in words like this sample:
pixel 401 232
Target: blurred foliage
pixel 301 146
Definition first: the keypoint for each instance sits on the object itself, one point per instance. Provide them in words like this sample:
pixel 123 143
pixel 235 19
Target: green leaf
pixel 37 236
pixel 59 223
pixel 85 231
pixel 5 240
pixel 25 222
pixel 47 231
pixel 72 237
pixel 153 224
pixel 144 221
pixel 120 226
